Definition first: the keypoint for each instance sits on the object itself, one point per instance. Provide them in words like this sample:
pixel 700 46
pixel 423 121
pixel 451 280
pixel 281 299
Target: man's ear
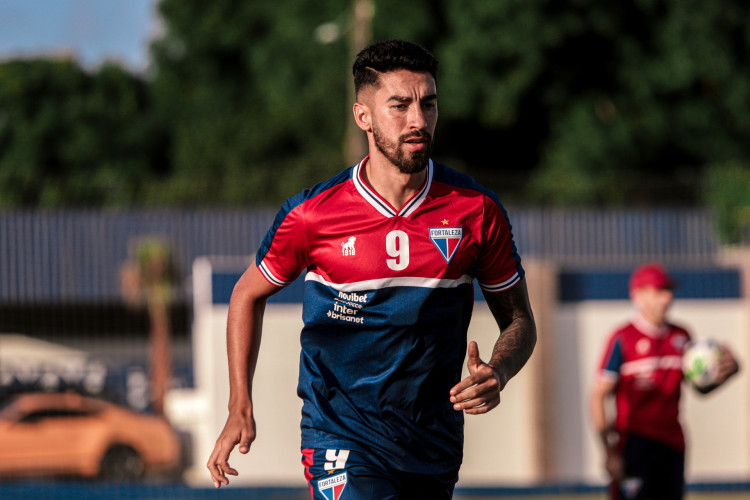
pixel 362 116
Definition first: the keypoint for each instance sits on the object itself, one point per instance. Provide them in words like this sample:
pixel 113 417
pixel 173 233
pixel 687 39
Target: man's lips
pixel 417 143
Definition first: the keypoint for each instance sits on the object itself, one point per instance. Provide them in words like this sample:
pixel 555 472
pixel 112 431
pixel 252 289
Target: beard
pixel 407 163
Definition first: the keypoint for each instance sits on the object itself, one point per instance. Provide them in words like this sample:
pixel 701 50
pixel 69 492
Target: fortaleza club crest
pixel 332 487
pixel 447 239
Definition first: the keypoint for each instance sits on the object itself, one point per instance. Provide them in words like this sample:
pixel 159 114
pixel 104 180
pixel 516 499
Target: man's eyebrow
pixel 398 98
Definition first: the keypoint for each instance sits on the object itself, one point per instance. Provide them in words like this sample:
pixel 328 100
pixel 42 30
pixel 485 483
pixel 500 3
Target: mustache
pixel 422 134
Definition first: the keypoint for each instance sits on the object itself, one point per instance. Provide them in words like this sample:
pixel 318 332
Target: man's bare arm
pixel 603 390
pixel 480 391
pixel 244 327
pixel 517 339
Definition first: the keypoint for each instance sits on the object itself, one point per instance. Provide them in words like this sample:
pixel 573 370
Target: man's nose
pixel 416 117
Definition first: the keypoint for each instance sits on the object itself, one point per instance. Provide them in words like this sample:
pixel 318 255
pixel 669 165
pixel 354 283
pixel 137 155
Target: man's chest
pixel 353 245
pixel 653 362
pixel 642 347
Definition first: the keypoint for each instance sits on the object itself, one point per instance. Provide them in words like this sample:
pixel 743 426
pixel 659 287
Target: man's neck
pixel 385 178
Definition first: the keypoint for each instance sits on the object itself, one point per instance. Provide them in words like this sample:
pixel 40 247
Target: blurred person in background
pixel 391 247
pixel 641 369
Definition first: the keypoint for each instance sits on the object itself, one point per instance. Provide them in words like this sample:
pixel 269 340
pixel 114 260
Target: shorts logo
pixel 631 486
pixel 446 240
pixel 332 487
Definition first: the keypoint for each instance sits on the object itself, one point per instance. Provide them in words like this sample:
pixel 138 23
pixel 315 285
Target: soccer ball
pixel 700 362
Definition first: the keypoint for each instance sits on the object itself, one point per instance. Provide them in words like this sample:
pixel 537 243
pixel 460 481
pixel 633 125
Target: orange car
pixel 68 434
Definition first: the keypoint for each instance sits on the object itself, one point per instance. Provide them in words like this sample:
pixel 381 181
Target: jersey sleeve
pixel 499 265
pixel 612 359
pixel 283 253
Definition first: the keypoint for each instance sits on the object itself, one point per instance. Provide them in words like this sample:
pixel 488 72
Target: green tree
pixel 551 102
pixel 256 104
pixel 728 192
pixel 597 103
pixel 73 138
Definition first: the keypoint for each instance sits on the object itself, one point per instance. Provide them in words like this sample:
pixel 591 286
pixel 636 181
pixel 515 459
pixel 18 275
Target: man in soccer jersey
pixel 390 248
pixel 642 370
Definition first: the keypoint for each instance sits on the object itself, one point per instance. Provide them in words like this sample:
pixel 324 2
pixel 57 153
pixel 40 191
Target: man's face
pixel 653 303
pixel 403 118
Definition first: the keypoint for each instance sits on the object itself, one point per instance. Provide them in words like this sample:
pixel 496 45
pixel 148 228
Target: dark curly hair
pixel 391 55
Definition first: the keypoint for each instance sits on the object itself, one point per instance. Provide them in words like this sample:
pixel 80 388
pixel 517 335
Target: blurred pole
pixel 148 278
pixel 360 35
pixel 543 292
pixel 160 351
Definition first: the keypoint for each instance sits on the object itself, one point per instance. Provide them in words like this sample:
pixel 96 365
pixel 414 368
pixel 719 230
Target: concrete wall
pixel 541 431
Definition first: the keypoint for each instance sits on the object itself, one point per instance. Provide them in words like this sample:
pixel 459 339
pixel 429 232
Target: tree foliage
pixel 70 138
pixel 549 102
pixel 254 101
pixel 602 103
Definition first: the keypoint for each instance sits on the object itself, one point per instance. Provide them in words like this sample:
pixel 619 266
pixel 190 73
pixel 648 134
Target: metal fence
pixel 75 256
pixel 616 238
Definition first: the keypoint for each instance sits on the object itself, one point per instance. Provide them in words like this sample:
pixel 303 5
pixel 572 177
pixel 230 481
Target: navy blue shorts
pixel 653 470
pixel 354 475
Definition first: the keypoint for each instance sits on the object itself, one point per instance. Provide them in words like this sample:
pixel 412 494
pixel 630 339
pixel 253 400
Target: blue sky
pixel 92 30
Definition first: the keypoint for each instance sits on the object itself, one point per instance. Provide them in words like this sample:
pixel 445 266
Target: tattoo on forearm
pixel 518 337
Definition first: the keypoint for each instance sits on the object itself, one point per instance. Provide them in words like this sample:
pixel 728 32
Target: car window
pixel 56 413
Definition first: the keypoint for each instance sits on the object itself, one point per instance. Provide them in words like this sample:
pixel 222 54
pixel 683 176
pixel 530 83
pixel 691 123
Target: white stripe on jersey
pixel 270 277
pixel 503 285
pixel 417 200
pixel 378 284
pixel 647 365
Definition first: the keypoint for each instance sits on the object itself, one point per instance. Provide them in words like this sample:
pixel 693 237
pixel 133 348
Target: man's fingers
pixel 218 464
pixel 244 444
pixel 482 375
pixel 478 392
pixel 473 350
pixel 230 471
pixel 238 432
pixel 217 475
pixel 481 409
pixel 478 405
pixel 474 360
pixel 482 397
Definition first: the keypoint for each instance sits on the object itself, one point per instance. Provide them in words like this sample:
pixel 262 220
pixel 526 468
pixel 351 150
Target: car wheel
pixel 121 463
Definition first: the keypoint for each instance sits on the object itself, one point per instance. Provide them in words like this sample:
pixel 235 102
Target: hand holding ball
pixel 701 361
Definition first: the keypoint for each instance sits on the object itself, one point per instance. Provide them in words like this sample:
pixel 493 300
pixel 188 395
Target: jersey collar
pixel 383 206
pixel 645 326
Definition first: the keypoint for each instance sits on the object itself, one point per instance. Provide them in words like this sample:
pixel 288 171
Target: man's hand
pixel 615 465
pixel 480 391
pixel 239 429
pixel 727 367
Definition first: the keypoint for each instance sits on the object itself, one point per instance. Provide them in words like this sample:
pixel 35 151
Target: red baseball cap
pixel 651 274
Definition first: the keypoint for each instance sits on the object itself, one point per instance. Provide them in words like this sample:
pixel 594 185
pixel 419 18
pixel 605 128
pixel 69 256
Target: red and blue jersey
pixel 387 303
pixel 646 363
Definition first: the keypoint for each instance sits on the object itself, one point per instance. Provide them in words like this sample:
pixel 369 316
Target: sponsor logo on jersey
pixel 332 487
pixel 446 240
pixel 347 247
pixel 353 297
